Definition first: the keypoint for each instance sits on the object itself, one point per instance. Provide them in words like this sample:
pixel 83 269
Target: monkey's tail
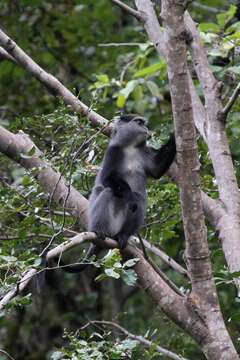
pixel 76 268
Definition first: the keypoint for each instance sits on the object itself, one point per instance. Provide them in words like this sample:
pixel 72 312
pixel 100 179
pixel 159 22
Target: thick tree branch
pixel 187 157
pixel 156 36
pixel 219 151
pixel 216 135
pixel 50 82
pixel 197 252
pixel 141 339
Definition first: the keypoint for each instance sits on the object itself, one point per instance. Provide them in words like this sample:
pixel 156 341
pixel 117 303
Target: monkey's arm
pixel 160 160
pixel 109 173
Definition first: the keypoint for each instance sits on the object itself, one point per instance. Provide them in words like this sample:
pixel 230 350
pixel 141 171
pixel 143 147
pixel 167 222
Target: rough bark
pixel 229 225
pixel 218 344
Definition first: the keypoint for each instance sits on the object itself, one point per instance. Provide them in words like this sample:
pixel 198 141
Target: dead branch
pixel 141 339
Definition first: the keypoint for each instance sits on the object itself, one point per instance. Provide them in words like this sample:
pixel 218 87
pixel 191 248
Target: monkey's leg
pixel 107 214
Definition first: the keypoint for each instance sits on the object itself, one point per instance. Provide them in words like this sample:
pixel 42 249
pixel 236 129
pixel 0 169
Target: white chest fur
pixel 131 159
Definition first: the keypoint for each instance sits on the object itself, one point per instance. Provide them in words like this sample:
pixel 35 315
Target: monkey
pixel 118 200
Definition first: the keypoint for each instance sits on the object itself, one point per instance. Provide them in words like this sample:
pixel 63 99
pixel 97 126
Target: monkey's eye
pixel 139 121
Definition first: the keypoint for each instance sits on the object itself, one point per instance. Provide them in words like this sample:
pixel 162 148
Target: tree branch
pixel 219 151
pixel 165 258
pixel 4 55
pixel 50 82
pixel 231 101
pixel 139 338
pixel 197 251
pixel 57 251
pixel 129 10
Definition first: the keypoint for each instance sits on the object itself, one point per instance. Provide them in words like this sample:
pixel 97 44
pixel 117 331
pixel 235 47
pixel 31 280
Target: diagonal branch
pixel 139 338
pixel 4 55
pixel 50 82
pixel 231 101
pixel 165 258
pixel 28 275
pixel 129 10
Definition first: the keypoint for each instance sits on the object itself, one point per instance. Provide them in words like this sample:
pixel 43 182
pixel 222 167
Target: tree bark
pixel 218 344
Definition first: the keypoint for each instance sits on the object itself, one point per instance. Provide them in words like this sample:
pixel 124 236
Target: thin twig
pixel 231 101
pixel 6 354
pixel 205 7
pixel 129 10
pixel 138 338
pixel 119 44
pixel 166 258
pixel 165 277
pixel 27 276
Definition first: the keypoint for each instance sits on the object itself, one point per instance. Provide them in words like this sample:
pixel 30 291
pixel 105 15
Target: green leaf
pixel 124 93
pixel 129 344
pixel 130 87
pixel 209 27
pixel 57 355
pixel 131 262
pixel 150 70
pixel 26 180
pixel 101 277
pixel 153 89
pixel 226 16
pixel 138 93
pixel 129 277
pixel 121 101
pixel 37 262
pixel 112 273
pixel 233 37
pixel 234 69
pixel 103 78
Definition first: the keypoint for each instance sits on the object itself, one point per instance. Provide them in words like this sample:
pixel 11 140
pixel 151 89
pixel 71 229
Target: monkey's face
pixel 132 128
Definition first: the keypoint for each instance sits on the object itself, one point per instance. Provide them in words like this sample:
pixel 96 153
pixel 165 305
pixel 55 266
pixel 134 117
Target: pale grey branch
pixel 139 338
pixel 50 82
pixel 231 101
pixel 129 10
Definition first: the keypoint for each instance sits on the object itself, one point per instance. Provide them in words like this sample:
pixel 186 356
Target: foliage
pixel 104 57
pixel 97 346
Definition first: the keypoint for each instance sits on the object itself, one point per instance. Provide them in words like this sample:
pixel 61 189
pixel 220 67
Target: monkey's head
pixel 133 128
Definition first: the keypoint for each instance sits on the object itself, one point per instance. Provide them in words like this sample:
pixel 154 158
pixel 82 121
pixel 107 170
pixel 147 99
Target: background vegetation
pixel 104 57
